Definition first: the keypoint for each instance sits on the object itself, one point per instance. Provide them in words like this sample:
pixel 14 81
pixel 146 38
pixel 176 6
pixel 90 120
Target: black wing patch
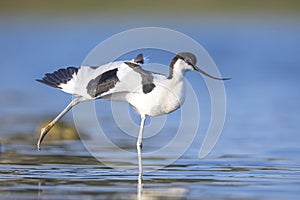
pixel 147 78
pixel 139 59
pixel 148 87
pixel 102 83
pixel 58 77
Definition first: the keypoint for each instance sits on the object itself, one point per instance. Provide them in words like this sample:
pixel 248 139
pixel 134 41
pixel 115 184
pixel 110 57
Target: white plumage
pixel 149 93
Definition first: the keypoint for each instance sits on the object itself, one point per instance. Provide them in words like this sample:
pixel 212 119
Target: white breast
pixel 166 97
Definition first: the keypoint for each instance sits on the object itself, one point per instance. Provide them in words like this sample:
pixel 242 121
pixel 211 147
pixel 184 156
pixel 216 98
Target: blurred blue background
pixel 257 43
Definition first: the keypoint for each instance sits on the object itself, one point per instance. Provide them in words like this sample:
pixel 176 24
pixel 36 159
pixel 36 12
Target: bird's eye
pixel 188 61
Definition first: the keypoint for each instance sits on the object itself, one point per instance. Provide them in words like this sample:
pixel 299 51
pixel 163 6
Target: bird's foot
pixel 44 132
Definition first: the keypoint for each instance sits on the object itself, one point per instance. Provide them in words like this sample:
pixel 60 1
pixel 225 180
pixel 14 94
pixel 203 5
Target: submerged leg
pixel 47 128
pixel 139 149
pixel 139 185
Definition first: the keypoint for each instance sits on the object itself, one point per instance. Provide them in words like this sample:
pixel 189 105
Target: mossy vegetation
pixel 132 7
pixel 61 131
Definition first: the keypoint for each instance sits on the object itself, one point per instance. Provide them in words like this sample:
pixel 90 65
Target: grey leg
pixel 47 128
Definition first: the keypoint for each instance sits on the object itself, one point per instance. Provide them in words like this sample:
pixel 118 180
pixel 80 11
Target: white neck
pixel 177 71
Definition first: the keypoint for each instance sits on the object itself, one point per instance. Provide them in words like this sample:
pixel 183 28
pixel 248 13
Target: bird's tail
pixel 63 79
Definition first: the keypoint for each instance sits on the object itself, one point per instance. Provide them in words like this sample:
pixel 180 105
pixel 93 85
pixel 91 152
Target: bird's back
pixel 89 80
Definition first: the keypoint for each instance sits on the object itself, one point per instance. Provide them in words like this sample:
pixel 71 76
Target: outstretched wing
pixel 113 79
pixel 98 82
pixel 63 79
pixel 99 86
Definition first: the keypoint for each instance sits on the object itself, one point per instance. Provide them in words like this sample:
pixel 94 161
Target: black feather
pixel 139 59
pixel 58 77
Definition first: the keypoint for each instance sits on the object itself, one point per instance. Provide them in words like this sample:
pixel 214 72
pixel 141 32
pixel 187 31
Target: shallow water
pixel 64 169
pixel 257 156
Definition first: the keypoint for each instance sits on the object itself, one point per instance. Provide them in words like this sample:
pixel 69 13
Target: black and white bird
pixel 150 94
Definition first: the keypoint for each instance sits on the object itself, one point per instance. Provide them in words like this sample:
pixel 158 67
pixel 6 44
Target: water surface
pixel 257 156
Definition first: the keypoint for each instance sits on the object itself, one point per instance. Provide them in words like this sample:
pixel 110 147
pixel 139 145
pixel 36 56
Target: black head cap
pixel 189 58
